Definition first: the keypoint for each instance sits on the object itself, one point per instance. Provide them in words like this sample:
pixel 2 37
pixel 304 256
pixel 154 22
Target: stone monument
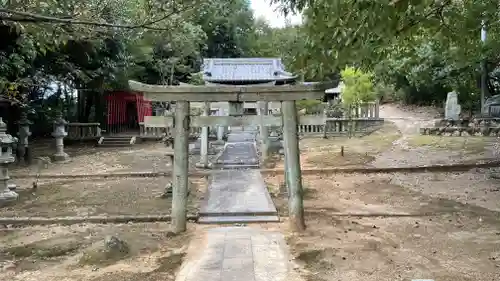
pixel 452 108
pixel 6 143
pixel 59 134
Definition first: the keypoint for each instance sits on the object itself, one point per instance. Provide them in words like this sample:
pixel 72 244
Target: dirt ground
pixel 150 156
pixel 402 227
pixel 58 253
pixel 396 144
pixel 441 226
pixel 126 196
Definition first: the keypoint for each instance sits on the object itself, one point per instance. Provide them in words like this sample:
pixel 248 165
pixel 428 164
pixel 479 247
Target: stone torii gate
pixel 235 95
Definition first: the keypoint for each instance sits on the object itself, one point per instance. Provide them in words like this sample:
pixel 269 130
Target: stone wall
pixel 489 127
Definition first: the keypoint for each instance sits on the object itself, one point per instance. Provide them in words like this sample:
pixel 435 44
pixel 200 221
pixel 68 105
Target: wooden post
pixel 264 133
pixel 180 173
pixel 293 173
pixel 204 139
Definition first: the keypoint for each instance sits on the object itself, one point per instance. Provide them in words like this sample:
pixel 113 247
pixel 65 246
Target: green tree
pixel 358 89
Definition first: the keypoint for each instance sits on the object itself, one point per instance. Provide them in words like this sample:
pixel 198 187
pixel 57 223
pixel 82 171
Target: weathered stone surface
pixel 195 148
pixel 244 153
pixel 452 108
pixel 238 192
pixel 238 195
pixel 112 249
pixel 8 197
pixel 461 131
pixel 114 244
pixel 239 253
pixel 241 137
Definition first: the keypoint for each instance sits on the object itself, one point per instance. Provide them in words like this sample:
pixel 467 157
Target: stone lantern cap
pixel 5 139
pixel 60 120
pixel 24 121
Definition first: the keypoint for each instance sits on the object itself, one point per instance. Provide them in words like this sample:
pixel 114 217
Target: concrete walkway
pixel 238 254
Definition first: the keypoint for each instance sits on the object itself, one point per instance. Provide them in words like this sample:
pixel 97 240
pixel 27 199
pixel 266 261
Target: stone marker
pixel 452 108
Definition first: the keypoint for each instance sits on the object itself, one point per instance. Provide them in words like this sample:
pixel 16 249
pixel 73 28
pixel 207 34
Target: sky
pixel 262 8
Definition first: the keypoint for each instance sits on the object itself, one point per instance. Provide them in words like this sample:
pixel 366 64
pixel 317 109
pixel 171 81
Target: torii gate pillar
pixel 181 166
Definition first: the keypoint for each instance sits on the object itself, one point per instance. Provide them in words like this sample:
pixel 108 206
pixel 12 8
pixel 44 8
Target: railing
pixel 83 131
pixel 336 127
pixel 365 110
pixel 341 126
pixel 333 126
pixel 494 110
pixel 159 132
pixel 365 119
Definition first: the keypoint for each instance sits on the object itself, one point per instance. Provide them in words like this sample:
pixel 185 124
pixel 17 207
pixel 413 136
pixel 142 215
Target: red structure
pixel 125 110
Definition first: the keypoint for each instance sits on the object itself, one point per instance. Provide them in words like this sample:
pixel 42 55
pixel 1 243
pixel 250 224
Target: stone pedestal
pixel 59 134
pixel 24 134
pixel 6 143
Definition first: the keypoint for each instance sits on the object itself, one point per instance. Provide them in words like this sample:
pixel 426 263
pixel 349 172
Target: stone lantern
pixel 6 158
pixel 59 134
pixel 24 134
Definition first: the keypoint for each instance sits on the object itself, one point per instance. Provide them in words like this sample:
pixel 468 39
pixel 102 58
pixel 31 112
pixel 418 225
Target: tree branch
pixel 36 18
pixel 413 22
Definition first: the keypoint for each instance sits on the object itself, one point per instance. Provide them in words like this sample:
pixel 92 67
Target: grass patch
pixel 470 145
pixel 334 159
pixel 49 248
pixel 358 151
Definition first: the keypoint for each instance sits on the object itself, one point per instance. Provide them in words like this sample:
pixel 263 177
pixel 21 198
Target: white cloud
pixel 263 9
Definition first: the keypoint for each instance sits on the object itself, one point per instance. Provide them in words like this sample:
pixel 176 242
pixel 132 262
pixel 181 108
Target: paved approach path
pixel 238 254
pixel 237 193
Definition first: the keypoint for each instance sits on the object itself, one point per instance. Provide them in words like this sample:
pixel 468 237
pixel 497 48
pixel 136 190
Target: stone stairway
pixel 238 193
pixel 116 141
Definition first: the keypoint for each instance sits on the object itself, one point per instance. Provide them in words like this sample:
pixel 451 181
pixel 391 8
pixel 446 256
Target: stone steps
pixel 237 219
pixel 117 141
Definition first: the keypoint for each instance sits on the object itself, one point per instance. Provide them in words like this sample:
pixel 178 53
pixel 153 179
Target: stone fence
pixel 479 126
pixel 331 127
pixel 83 131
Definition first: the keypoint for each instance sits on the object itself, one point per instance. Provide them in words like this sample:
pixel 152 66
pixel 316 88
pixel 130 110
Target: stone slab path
pixel 238 254
pixel 237 196
pixel 239 153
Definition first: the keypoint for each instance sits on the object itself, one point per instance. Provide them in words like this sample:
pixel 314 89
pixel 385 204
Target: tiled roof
pixel 244 69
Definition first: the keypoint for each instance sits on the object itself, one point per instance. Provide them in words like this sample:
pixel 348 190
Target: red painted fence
pixel 119 105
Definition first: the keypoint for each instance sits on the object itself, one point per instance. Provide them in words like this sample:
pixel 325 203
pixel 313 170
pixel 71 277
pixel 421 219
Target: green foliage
pixel 310 106
pixel 358 87
pixel 423 48
pixel 97 46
